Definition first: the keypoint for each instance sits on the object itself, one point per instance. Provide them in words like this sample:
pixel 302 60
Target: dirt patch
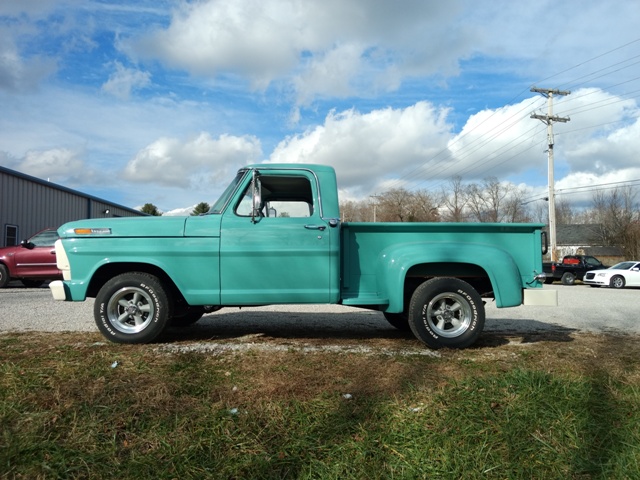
pixel 261 366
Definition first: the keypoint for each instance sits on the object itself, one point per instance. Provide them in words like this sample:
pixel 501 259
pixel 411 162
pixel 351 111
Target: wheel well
pixel 108 271
pixel 474 275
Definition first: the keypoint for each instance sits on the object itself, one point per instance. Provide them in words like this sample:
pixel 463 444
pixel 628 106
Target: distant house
pixel 585 239
pixel 29 204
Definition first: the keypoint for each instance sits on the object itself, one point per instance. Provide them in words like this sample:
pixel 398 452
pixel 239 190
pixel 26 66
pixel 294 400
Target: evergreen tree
pixel 201 208
pixel 151 209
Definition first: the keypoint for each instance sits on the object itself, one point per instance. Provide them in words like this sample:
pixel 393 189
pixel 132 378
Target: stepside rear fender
pixel 396 261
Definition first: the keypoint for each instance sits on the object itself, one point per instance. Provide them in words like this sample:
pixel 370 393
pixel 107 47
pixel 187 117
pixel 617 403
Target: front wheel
pixel 132 308
pixel 617 282
pixel 4 276
pixel 446 312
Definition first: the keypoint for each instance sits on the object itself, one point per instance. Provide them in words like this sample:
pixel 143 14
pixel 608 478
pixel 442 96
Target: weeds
pixel 74 407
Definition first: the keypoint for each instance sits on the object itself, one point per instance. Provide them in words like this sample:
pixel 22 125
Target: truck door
pixel 281 251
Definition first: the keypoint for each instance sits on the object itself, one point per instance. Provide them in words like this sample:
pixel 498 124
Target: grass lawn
pixel 74 406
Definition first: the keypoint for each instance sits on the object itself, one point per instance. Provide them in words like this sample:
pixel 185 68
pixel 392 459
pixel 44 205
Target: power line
pixel 417 176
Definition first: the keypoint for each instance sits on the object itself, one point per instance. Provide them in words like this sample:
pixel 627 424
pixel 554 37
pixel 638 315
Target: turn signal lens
pixel 92 231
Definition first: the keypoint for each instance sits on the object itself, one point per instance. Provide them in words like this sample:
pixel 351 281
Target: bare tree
pixel 565 213
pixel 424 207
pixel 394 206
pixel 493 201
pixel 485 200
pixel 540 211
pixel 356 211
pixel 617 214
pixel 454 201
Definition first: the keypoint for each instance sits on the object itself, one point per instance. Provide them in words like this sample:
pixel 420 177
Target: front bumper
pixel 58 290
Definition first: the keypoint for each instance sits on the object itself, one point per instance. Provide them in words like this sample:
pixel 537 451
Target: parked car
pixel 32 262
pixel 623 274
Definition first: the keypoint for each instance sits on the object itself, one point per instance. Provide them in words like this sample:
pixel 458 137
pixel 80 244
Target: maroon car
pixel 32 262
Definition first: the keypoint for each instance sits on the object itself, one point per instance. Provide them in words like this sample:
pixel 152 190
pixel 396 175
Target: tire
pixel 398 320
pixel 617 282
pixel 4 276
pixel 568 278
pixel 32 283
pixel 188 317
pixel 132 308
pixel 446 312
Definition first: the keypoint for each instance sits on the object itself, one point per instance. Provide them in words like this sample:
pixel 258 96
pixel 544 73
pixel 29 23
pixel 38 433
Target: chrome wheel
pixel 130 310
pixel 449 314
pixel 446 312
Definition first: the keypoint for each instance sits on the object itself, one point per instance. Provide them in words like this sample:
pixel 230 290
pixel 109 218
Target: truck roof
pixel 286 166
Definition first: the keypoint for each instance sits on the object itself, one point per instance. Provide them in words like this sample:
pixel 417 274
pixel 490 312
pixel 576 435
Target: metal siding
pixel 32 205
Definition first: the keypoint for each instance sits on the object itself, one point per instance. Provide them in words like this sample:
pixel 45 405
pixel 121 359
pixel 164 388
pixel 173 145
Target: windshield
pixel 623 266
pixel 224 198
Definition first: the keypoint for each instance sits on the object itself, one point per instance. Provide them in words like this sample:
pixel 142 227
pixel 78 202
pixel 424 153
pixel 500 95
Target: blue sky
pixel 161 101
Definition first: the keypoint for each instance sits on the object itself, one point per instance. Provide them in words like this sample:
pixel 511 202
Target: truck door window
pixel 282 196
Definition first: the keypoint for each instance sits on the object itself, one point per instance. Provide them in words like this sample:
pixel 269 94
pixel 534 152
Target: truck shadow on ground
pixel 341 327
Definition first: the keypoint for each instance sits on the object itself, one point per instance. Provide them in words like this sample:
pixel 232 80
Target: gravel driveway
pixel 581 308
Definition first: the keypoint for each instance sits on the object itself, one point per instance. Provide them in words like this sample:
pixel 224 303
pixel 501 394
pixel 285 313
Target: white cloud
pixel 124 80
pixel 415 146
pixel 199 160
pixel 317 47
pixel 366 148
pixel 57 164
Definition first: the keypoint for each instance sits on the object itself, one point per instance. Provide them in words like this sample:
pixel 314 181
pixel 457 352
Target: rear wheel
pixel 446 312
pixel 568 278
pixel 132 308
pixel 617 282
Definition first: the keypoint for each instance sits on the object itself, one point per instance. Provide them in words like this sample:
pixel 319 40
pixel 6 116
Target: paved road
pixel 581 308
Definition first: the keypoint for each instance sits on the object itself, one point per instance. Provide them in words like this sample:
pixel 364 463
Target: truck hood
pixel 148 227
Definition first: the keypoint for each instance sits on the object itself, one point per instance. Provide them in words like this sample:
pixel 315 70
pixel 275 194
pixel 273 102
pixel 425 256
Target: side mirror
pixel 256 195
pixel 27 244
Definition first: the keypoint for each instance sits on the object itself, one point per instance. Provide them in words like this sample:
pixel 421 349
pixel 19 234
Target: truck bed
pixel 372 252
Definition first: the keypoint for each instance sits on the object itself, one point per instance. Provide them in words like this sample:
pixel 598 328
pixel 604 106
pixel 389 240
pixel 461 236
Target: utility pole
pixel 549 120
pixel 375 205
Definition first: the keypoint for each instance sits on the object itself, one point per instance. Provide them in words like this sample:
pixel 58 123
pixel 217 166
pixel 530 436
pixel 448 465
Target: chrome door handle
pixel 315 227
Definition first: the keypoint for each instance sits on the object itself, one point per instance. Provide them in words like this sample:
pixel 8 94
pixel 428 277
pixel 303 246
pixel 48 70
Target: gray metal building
pixel 29 204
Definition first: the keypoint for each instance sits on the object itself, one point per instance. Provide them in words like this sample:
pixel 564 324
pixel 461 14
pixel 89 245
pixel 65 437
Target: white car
pixel 623 274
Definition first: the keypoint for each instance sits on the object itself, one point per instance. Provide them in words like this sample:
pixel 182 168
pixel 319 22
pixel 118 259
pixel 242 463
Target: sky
pixel 158 101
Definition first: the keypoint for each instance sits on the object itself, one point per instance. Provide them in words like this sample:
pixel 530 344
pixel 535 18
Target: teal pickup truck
pixel 275 237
